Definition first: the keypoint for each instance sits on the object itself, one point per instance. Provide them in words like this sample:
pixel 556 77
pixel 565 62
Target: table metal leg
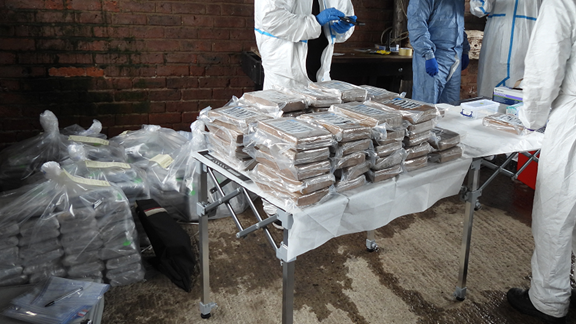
pixel 471 196
pixel 205 305
pixel 287 270
pixel 371 245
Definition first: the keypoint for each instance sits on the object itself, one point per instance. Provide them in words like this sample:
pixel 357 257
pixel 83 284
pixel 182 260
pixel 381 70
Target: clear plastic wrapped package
pixel 343 128
pixel 352 172
pixel 291 170
pixel 351 147
pixel 411 110
pixel 295 133
pixel 369 116
pixel 505 123
pixel 292 156
pixel 416 163
pixel 230 149
pixel 379 163
pixel 266 174
pixel 443 139
pixel 149 141
pixel 111 152
pixel 339 162
pixel 378 93
pixel 345 185
pixel 417 139
pixel 412 129
pixel 275 100
pixel 234 117
pixel 418 150
pixel 391 137
pixel 315 97
pixel 69 223
pixel 348 91
pixel 387 149
pixel 384 174
pixel 450 154
pixel 20 163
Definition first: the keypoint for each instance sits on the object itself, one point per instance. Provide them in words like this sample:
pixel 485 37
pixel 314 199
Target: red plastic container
pixel 528 176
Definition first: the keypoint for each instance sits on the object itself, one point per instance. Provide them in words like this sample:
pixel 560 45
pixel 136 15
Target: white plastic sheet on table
pixel 478 140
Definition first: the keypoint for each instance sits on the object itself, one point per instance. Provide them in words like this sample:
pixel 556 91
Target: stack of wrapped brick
pixel 317 100
pixel 275 103
pixel 293 160
pixel 227 127
pixel 348 156
pixel 445 145
pixel 386 155
pixel 11 270
pixel 419 120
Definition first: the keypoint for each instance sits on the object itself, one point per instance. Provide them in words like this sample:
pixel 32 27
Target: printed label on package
pixel 239 112
pixel 164 160
pixel 89 140
pixel 403 103
pixel 291 126
pixel 92 182
pixel 365 110
pixel 103 165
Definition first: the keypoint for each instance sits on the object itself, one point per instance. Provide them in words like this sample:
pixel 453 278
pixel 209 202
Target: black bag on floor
pixel 171 244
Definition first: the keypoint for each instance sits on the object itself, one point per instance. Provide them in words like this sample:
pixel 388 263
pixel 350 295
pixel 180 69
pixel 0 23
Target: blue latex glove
pixel 432 67
pixel 329 14
pixel 341 26
pixel 465 61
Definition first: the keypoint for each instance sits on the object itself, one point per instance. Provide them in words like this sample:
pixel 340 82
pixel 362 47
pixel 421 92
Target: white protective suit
pixel 550 82
pixel 282 28
pixel 509 25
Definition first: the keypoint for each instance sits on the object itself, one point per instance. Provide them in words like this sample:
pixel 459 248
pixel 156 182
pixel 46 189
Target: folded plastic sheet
pixel 445 155
pixel 275 100
pixel 477 140
pixel 413 111
pixel 443 139
pixel 269 175
pixel 378 93
pixel 67 224
pixel 343 128
pixel 348 92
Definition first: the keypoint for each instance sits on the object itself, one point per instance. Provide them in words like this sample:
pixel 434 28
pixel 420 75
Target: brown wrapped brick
pixel 305 186
pixel 417 139
pixel 348 160
pixel 349 92
pixel 299 134
pixel 275 99
pixel 379 163
pixel 387 149
pixel 225 132
pixel 353 171
pixel 418 150
pixel 299 200
pixel 384 174
pixel 443 139
pixel 369 116
pixel 237 118
pixel 226 148
pixel 378 93
pixel 295 172
pixel 503 122
pixel 417 163
pixel 351 147
pixel 421 127
pixel 412 111
pixel 298 157
pixel 354 183
pixel 450 154
pixel 343 128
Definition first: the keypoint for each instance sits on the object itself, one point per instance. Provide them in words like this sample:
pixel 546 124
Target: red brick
pixel 111 5
pixel 24 4
pixel 128 19
pixel 147 32
pixel 226 93
pixel 9 85
pixel 242 34
pixel 17 44
pixel 67 71
pixel 244 81
pixel 164 95
pixel 16 98
pixel 198 21
pixel 226 47
pixel 13 71
pixel 92 46
pixel 119 32
pixel 8 112
pixel 238 10
pixel 121 83
pixel 130 6
pixel 149 83
pixel 182 83
pixel 214 10
pixel 197 70
pixel 213 58
pixel 67 58
pixel 164 7
pixel 89 17
pixel 165 118
pixel 147 71
pixel 7 31
pixel 196 46
pixel 147 58
pixel 7 58
pixel 157 107
pixel 162 45
pixel 232 22
pixel 188 8
pixel 132 119
pixel 172 70
pixel 217 70
pixel 165 20
pixel 94 72
pixel 213 34
pixel 189 116
pixel 213 82
pixel 181 58
pixel 130 96
pixel 192 94
pixel 54 4
pixel 54 17
pixel 38 72
pixel 87 5
pixel 181 106
pixel 114 108
pixel 181 32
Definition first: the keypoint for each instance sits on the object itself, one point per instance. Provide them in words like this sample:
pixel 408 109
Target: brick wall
pixel 131 62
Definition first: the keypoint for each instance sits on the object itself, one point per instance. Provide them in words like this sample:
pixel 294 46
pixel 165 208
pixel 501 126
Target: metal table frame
pixel 470 194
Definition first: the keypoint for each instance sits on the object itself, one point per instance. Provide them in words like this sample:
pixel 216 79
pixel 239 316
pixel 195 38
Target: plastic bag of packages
pixel 66 226
pixel 20 162
pixel 148 142
pixel 93 131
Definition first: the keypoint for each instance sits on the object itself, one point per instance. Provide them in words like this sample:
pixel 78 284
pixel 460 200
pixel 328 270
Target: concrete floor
pixel 410 279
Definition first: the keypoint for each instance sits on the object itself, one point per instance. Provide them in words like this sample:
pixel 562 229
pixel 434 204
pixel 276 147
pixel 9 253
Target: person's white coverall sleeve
pixel 419 35
pixel 550 48
pixel 481 8
pixel 279 21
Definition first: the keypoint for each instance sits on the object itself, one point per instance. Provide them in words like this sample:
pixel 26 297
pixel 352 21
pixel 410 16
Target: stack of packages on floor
pixel 68 226
pixel 419 120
